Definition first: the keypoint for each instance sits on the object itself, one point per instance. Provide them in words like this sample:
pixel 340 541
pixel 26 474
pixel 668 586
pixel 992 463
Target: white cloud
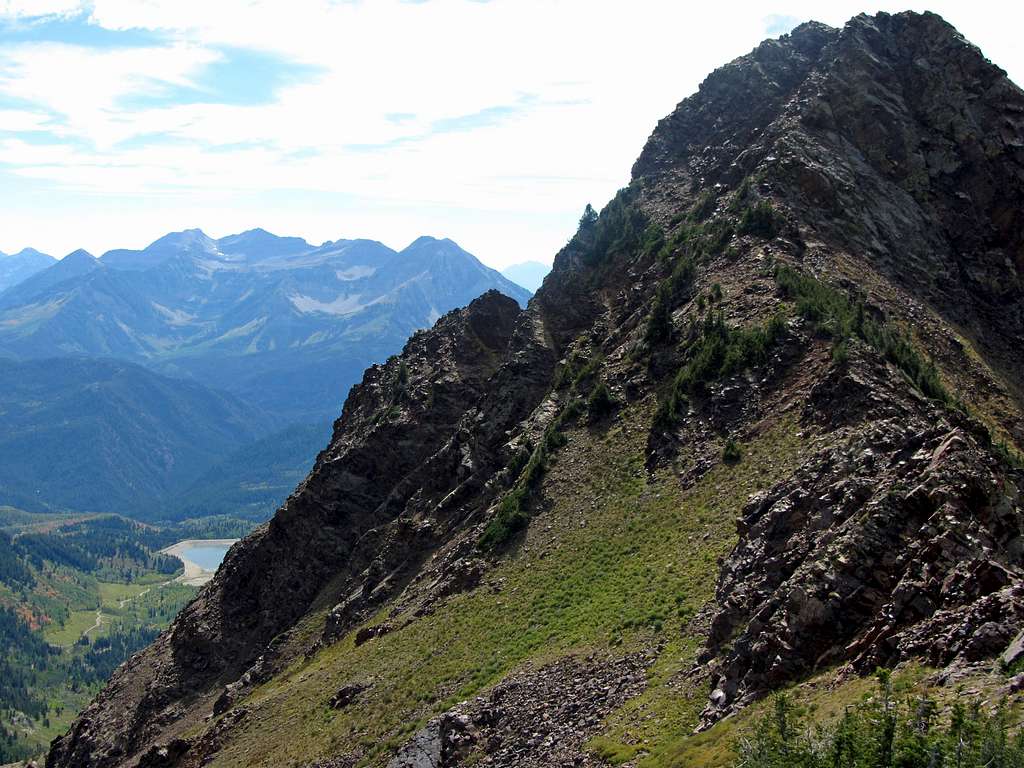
pixel 19 9
pixel 20 121
pixel 581 83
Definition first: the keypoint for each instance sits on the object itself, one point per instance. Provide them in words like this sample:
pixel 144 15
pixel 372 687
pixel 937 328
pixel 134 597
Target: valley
pixel 79 594
pixel 209 370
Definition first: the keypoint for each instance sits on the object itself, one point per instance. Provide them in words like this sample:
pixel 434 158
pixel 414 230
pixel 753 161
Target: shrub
pixel 731 453
pixel 760 220
pixel 577 370
pixel 512 514
pixel 589 217
pixel 698 241
pixel 705 206
pixel 715 236
pixel 659 323
pixel 721 350
pixel 1004 451
pixel 833 311
pixel 508 520
pixel 740 196
pixel 653 240
pixel 620 228
pixel 716 350
pixel 840 353
pixel 600 403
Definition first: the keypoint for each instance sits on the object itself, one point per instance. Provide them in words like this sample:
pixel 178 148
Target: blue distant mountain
pixel 16 267
pixel 102 435
pixel 272 328
pixel 284 324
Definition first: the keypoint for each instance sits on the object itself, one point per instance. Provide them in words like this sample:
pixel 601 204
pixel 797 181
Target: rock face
pixel 893 139
pixel 897 541
pixel 823 243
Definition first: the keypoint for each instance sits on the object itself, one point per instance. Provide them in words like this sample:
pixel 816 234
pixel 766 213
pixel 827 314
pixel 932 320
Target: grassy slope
pixel 618 562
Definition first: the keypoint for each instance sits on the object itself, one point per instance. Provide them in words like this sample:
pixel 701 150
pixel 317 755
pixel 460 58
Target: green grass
pixel 112 593
pixel 157 606
pixel 72 629
pixel 626 561
pixel 717 746
pixel 106 597
pixel 661 721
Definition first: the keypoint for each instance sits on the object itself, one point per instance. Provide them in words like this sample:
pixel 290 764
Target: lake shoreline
pixel 195 574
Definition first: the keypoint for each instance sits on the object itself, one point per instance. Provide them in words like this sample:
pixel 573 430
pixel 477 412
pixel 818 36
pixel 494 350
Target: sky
pixel 492 123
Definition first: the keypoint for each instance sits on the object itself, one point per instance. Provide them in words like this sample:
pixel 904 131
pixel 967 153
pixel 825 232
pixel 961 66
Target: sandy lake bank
pixel 195 574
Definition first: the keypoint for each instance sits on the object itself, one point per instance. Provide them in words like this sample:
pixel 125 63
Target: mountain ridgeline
pixel 760 427
pixel 529 274
pixel 17 267
pixel 285 325
pixel 100 434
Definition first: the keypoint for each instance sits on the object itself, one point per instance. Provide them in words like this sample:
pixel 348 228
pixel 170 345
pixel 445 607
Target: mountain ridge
pixel 733 443
pixel 529 274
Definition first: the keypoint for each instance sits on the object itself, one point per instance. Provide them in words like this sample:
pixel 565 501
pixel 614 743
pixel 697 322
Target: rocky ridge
pixel 793 294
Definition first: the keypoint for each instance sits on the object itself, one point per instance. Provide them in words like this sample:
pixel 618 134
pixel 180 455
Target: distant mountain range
pixel 286 325
pixel 270 328
pixel 529 274
pixel 16 267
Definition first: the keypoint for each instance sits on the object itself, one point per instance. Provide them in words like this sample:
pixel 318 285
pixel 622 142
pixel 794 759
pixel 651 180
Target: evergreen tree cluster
pixel 884 731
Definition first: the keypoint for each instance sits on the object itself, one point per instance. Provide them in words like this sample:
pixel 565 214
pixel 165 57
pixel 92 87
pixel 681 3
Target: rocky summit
pixel 759 428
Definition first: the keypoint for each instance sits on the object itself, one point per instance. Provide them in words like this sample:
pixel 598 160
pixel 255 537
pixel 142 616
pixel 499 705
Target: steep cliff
pixel 758 427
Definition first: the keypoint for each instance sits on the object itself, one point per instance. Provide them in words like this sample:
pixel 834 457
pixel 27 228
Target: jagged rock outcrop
pixel 901 538
pixel 345 519
pixel 818 260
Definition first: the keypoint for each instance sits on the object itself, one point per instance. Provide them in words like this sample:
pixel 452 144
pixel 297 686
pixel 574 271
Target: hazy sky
pixel 492 123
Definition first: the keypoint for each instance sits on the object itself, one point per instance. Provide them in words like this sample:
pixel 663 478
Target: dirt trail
pixel 124 601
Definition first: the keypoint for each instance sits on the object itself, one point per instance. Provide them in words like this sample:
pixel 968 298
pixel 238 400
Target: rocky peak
pixel 256 244
pixel 31 253
pixel 893 140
